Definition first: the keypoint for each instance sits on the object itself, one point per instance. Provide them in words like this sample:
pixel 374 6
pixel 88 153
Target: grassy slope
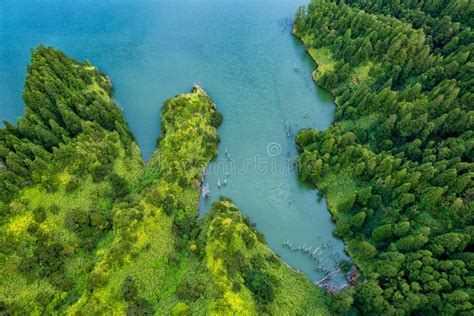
pixel 186 123
pixel 227 235
pixel 325 62
pixel 25 289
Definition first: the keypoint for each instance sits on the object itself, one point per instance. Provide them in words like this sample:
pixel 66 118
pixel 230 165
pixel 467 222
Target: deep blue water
pixel 241 52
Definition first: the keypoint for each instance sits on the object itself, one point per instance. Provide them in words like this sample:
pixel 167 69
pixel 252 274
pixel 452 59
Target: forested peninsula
pixel 88 228
pixel 396 166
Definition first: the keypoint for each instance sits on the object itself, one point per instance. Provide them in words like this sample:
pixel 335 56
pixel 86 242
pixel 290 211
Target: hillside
pixel 396 166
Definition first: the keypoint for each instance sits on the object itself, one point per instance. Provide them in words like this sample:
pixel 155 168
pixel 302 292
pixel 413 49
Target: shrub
pixel 216 119
pixel 119 186
pixel 345 265
pixel 341 302
pixel 39 215
pixel 260 284
pixel 181 309
pixel 129 289
pixel 140 306
pixel 72 185
pixel 100 172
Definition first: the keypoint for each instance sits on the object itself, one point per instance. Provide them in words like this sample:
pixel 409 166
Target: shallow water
pixel 241 52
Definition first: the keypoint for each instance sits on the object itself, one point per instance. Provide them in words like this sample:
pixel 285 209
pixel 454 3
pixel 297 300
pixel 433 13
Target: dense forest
pixel 396 166
pixel 88 228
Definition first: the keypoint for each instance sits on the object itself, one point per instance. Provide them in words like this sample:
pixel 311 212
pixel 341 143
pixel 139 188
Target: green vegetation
pixel 396 167
pixel 248 277
pixel 87 228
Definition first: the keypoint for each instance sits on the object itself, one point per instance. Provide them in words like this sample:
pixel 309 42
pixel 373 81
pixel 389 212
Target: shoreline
pixel 313 74
pixel 356 269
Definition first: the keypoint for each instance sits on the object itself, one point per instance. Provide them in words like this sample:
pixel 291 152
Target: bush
pixel 119 186
pixel 341 302
pixel 100 172
pixel 129 289
pixel 342 230
pixel 72 185
pixel 77 220
pixel 186 291
pixel 95 280
pixel 235 286
pixel 181 309
pixel 347 204
pixel 260 284
pixel 39 215
pixel 216 119
pixel 345 265
pixel 363 249
pixel 140 307
pixel 182 292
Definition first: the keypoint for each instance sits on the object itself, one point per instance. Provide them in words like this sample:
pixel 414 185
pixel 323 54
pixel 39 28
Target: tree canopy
pixel 401 147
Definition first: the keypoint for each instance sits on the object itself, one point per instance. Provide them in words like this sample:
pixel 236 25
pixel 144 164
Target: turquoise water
pixel 241 52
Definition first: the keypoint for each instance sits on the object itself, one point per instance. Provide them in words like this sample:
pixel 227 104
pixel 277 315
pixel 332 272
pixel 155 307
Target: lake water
pixel 241 52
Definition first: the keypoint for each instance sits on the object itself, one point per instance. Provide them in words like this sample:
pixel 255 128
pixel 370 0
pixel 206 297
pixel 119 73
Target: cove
pixel 245 57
